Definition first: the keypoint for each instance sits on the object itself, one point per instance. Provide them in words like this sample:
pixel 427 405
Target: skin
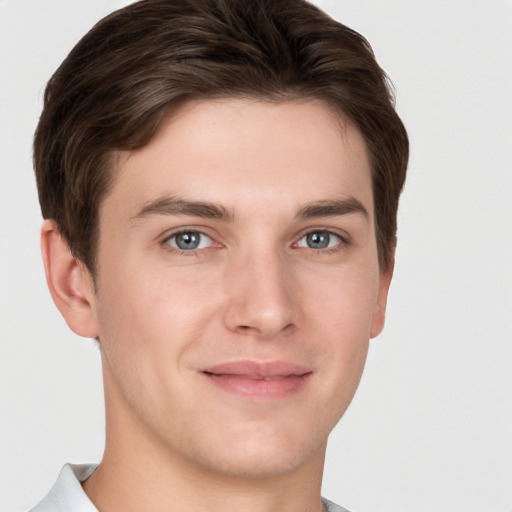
pixel 255 289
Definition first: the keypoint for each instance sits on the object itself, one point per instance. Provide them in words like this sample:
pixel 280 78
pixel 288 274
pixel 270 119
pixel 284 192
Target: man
pixel 220 181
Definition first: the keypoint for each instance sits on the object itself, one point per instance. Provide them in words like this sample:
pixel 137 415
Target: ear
pixel 379 314
pixel 69 281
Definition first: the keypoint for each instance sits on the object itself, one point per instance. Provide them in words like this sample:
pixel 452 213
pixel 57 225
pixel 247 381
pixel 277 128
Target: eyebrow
pixel 176 206
pixel 332 208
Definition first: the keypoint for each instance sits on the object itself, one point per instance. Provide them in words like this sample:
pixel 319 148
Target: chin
pixel 261 465
pixel 261 455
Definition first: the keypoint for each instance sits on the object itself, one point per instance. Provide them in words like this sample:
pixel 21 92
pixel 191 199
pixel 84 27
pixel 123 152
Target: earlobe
pixel 70 283
pixel 379 314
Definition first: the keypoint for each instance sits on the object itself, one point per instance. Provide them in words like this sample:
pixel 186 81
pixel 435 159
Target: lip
pixel 258 379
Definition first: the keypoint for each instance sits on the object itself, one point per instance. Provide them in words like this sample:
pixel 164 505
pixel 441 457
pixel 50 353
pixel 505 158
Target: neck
pixel 128 486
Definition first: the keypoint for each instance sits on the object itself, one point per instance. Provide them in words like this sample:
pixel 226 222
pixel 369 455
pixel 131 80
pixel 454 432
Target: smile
pixel 259 381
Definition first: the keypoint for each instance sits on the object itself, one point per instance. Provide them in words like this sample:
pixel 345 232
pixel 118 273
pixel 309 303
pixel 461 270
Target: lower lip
pixel 273 388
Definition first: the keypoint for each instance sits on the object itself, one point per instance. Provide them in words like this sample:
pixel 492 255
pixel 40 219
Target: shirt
pixel 67 494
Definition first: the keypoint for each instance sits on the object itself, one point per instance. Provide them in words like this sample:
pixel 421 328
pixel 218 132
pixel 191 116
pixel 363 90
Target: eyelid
pixel 187 229
pixel 345 238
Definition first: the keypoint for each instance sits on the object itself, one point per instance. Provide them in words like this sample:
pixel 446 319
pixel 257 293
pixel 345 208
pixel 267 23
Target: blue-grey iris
pixel 188 241
pixel 318 240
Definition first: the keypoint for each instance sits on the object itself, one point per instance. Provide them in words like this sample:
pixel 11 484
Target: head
pixel 222 178
pixel 142 62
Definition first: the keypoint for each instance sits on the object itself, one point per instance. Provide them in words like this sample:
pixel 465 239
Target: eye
pixel 189 240
pixel 320 240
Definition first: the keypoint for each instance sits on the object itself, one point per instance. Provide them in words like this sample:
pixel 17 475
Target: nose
pixel 260 299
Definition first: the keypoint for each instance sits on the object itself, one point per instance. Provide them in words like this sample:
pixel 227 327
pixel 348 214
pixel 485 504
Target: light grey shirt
pixel 67 494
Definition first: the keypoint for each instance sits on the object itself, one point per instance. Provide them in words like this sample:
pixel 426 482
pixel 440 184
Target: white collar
pixel 67 494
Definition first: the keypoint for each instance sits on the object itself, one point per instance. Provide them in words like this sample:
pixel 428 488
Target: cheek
pixel 344 300
pixel 341 316
pixel 148 322
pixel 149 313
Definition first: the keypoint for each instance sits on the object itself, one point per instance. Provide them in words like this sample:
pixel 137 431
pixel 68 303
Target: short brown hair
pixel 117 84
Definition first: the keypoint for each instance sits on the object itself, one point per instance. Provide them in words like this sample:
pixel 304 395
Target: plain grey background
pixel 430 428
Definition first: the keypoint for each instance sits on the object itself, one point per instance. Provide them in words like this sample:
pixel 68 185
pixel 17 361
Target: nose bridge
pixel 260 298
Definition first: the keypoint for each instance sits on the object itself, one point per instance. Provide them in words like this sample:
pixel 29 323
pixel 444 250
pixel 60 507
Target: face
pixel 238 284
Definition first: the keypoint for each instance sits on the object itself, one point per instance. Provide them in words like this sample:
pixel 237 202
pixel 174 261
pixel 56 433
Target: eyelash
pixel 182 252
pixel 344 243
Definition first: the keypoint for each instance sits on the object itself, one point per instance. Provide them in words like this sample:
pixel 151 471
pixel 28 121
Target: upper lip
pixel 250 368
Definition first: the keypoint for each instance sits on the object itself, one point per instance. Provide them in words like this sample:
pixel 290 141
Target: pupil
pixel 187 241
pixel 319 240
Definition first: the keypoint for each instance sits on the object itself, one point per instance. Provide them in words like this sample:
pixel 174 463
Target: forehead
pixel 248 155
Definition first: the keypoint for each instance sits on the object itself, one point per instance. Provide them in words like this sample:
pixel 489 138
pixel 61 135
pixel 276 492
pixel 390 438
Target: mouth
pixel 258 380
